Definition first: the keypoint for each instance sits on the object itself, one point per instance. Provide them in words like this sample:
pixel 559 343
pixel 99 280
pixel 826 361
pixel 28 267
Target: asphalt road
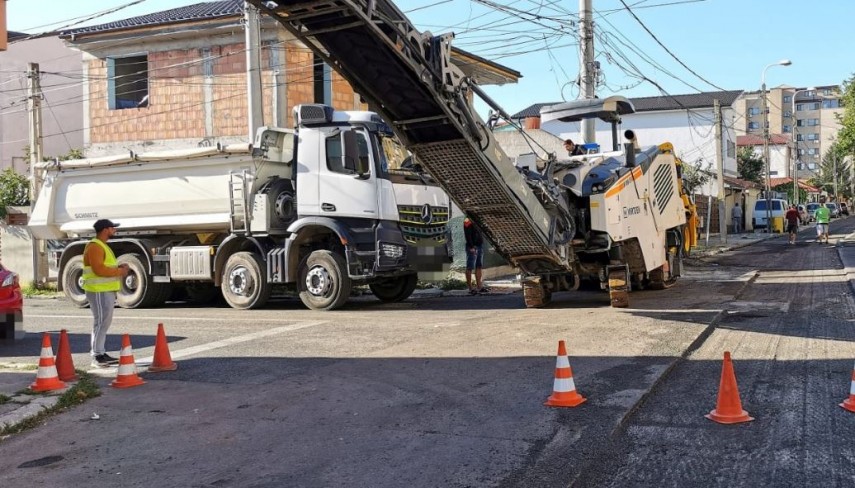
pixel 791 335
pixel 450 391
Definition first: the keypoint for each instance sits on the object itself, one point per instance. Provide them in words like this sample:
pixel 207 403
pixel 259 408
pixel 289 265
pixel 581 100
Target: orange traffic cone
pixel 46 377
pixel 64 362
pixel 849 403
pixel 127 377
pixel 564 392
pixel 728 407
pixel 162 359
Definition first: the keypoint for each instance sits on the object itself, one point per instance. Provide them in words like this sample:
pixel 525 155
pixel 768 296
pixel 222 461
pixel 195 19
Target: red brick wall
pixel 176 95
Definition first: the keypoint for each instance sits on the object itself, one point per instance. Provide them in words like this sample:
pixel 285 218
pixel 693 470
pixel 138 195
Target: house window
pixel 753 125
pixel 813 151
pixel 810 93
pixel 322 78
pixel 827 91
pixel 813 137
pixel 813 106
pixel 787 129
pixel 799 137
pixel 754 111
pixel 830 103
pixel 812 122
pixel 788 114
pixel 127 82
pixel 788 99
pixel 800 107
pixel 801 152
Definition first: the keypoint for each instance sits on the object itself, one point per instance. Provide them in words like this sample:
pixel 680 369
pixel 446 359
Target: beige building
pixel 809 120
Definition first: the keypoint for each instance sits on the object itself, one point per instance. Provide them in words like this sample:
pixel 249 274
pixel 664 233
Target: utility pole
pixel 34 109
pixel 719 165
pixel 766 161
pixel 255 114
pixel 587 66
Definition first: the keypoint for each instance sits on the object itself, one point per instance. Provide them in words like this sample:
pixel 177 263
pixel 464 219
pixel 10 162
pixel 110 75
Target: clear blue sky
pixel 727 42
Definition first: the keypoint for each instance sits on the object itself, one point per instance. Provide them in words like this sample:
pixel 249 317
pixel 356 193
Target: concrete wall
pixel 16 251
pixel 62 118
pixel 693 135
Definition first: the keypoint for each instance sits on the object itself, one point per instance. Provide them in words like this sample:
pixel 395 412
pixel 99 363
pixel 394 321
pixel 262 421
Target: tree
pixel 846 136
pixel 833 159
pixel 14 189
pixel 750 166
pixel 695 177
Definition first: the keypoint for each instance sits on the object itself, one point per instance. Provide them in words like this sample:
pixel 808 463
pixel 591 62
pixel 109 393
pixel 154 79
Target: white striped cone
pixel 564 392
pixel 849 403
pixel 126 376
pixel 47 378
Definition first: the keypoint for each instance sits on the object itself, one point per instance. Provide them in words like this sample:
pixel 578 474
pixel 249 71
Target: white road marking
pixel 180 353
pixel 151 319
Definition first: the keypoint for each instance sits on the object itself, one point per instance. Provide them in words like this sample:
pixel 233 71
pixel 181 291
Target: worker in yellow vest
pixel 102 277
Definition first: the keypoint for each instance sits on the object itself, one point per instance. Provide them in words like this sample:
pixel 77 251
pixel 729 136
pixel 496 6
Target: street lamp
pixel 783 62
pixel 796 144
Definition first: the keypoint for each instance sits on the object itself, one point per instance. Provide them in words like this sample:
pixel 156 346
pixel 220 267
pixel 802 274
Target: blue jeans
pixel 475 260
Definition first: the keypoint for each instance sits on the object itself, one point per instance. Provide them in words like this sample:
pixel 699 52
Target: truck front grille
pixel 423 224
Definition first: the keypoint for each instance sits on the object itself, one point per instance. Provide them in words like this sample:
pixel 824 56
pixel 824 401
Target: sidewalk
pixel 733 241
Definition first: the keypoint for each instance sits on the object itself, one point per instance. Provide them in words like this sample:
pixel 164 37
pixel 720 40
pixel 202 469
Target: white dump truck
pixel 312 210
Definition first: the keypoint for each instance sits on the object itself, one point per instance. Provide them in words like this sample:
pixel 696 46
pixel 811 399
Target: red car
pixel 11 307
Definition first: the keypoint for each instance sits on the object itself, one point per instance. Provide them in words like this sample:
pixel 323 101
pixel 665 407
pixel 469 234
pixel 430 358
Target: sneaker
pixel 473 291
pixel 109 359
pixel 484 291
pixel 103 361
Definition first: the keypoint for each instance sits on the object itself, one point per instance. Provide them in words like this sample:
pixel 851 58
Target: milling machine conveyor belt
pixel 406 77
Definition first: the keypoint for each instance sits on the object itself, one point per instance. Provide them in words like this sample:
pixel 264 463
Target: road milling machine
pixel 617 217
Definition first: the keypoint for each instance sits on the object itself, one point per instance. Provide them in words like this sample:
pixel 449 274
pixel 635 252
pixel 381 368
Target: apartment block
pixel 805 116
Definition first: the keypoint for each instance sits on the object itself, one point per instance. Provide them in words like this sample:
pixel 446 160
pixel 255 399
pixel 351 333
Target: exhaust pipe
pixel 629 135
pixel 630 147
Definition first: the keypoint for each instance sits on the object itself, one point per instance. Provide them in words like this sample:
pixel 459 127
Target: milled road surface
pixel 792 338
pixel 436 392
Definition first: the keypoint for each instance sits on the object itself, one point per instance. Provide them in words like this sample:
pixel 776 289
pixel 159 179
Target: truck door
pixel 348 180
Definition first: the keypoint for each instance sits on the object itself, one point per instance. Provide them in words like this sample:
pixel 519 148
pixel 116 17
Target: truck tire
pixel 245 283
pixel 72 282
pixel 395 289
pixel 323 281
pixel 138 288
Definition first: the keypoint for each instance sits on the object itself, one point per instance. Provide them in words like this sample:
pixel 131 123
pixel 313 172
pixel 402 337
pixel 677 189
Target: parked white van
pixel 779 209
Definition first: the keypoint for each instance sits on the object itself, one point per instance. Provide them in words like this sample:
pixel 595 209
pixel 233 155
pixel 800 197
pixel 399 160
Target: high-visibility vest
pixel 97 284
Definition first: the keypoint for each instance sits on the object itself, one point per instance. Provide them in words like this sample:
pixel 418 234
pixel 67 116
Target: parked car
pixel 779 208
pixel 844 209
pixel 803 215
pixel 835 210
pixel 811 211
pixel 11 306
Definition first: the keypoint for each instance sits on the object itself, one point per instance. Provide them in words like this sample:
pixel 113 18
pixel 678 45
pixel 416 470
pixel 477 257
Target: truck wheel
pixel 323 281
pixel 138 289
pixel 245 283
pixel 72 282
pixel 396 289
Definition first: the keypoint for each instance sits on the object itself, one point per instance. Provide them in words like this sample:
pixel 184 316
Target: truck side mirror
pixel 352 159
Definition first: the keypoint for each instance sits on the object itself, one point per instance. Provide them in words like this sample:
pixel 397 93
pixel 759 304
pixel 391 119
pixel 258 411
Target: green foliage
pixel 36 289
pixel 14 189
pixel 84 389
pixel 451 283
pixel 694 177
pixel 833 165
pixel 750 166
pixel 846 136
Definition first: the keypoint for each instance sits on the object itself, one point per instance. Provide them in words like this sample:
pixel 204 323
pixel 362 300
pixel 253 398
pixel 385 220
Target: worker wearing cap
pixel 102 277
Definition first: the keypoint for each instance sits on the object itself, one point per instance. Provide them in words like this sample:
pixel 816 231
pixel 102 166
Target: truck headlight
pixel 393 251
